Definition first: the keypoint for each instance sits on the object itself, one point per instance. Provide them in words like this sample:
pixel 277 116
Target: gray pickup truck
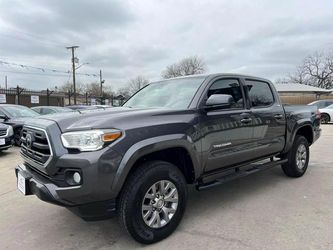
pixel 137 160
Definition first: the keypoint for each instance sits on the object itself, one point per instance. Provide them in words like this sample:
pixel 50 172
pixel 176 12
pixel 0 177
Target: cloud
pixel 142 37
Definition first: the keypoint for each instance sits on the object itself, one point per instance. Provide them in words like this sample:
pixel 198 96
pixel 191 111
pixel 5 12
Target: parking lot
pixel 263 211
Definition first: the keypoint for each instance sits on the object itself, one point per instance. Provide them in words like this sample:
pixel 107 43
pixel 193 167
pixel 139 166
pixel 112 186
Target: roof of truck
pixel 214 75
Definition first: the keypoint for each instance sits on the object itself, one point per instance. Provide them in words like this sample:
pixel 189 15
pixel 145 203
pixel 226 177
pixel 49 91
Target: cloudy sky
pixel 141 37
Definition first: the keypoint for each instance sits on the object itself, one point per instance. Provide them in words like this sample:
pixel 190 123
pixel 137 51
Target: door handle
pixel 246 120
pixel 278 116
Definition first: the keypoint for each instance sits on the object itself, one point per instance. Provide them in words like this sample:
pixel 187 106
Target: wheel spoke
pixel 152 219
pixel 303 156
pixel 170 197
pixel 146 215
pixel 147 208
pixel 165 214
pixel 153 189
pixel 166 188
pixel 161 183
pixel 158 219
pixel 149 196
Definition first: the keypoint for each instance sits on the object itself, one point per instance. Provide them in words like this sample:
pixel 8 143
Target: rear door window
pixel 260 93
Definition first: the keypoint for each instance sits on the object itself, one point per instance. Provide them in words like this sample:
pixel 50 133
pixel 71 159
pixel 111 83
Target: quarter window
pixel 260 93
pixel 228 87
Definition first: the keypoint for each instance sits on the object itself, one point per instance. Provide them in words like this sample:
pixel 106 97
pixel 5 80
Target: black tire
pixel 17 140
pixel 133 193
pixel 291 168
pixel 324 118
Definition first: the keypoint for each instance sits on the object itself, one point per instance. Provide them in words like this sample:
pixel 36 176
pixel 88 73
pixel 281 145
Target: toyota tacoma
pixel 137 160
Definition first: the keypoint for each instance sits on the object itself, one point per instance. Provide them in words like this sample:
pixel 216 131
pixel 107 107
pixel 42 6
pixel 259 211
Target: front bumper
pixel 49 182
pixel 47 191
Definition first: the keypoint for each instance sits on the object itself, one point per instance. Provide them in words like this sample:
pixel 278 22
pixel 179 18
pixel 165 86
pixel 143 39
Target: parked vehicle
pixel 6 136
pixel 320 104
pixel 137 160
pixel 326 114
pixel 82 107
pixel 102 106
pixel 16 116
pixel 46 110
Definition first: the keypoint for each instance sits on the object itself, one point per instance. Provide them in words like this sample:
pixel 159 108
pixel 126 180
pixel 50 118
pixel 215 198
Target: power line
pixel 42 69
pixel 32 73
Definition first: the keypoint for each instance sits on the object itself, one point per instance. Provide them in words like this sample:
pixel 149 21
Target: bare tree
pixel 137 83
pixel 316 70
pixel 282 80
pixel 188 66
pixel 319 69
pixel 94 89
pixel 68 87
pixel 300 76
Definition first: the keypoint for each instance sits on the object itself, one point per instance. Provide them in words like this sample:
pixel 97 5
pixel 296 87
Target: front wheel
pixel 298 158
pixel 153 201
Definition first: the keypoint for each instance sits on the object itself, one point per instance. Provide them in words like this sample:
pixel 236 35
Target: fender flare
pixel 300 124
pixel 148 146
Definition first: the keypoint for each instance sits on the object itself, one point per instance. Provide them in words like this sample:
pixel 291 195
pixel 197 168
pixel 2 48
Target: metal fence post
pixel 47 97
pixel 18 94
pixel 69 97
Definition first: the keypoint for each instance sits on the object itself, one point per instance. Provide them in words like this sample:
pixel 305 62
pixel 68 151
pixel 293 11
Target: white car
pixel 326 114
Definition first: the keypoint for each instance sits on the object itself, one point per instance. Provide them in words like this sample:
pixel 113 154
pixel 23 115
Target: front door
pixel 227 133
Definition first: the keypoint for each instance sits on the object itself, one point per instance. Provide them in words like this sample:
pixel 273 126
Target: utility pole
pixel 73 68
pixel 101 81
pixel 6 82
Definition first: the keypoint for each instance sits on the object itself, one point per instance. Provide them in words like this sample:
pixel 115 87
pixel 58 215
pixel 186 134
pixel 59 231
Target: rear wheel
pixel 324 118
pixel 298 158
pixel 153 201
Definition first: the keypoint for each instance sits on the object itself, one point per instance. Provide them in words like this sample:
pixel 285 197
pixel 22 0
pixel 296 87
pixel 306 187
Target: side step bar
pixel 238 172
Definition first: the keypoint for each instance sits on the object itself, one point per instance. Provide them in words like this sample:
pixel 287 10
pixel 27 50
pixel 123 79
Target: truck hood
pixel 120 118
pixel 19 121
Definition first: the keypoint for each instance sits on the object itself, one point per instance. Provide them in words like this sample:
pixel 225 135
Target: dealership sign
pixel 3 98
pixel 34 99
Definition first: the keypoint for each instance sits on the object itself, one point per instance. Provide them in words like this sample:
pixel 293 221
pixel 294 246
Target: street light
pixel 81 65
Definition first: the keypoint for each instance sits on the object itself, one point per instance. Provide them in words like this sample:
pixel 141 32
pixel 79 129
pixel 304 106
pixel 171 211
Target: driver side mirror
pixel 219 101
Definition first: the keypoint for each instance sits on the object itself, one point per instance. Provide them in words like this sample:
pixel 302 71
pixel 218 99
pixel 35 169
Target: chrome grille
pixel 35 145
pixel 3 132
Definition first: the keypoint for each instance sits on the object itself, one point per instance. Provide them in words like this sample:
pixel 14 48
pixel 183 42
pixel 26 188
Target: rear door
pixel 269 122
pixel 226 132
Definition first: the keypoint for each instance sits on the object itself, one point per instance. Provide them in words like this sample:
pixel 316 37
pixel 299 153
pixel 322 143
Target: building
pixel 293 93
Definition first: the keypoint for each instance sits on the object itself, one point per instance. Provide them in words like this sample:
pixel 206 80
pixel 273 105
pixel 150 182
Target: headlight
pixel 89 140
pixel 10 131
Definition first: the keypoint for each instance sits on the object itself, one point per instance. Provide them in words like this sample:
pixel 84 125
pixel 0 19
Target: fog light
pixel 73 177
pixel 77 177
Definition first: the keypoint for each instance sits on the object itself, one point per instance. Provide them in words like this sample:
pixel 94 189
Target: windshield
pixel 173 94
pixel 330 107
pixel 62 109
pixel 19 111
